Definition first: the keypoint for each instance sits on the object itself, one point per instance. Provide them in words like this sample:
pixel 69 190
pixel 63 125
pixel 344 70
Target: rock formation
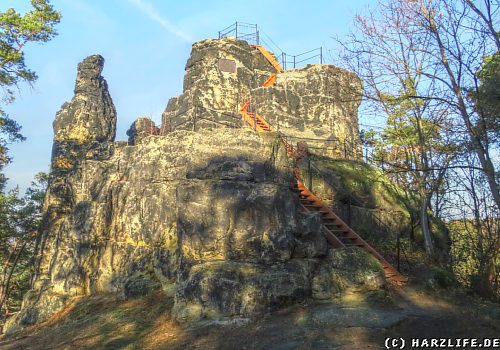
pixel 91 115
pixel 209 217
pixel 141 128
pixel 316 102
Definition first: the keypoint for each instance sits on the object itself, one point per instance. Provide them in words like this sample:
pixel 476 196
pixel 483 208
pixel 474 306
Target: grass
pixel 367 185
pixel 103 322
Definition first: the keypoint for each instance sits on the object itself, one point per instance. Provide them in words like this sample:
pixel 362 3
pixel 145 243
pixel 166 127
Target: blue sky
pixel 146 44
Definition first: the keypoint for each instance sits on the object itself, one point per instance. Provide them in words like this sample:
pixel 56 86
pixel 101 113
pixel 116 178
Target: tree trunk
pixel 481 151
pixel 482 283
pixel 424 224
pixel 7 279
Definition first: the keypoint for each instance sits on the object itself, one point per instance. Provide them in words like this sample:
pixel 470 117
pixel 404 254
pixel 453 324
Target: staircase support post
pixel 310 174
pixel 349 210
pixel 398 250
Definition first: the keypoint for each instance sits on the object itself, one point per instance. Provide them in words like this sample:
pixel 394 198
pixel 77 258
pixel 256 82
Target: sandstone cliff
pixel 315 102
pixel 209 215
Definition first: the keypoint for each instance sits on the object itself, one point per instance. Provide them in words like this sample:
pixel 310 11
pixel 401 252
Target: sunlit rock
pixel 200 207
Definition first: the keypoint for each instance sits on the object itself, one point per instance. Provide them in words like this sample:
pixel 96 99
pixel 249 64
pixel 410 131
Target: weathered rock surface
pixel 347 269
pixel 316 102
pixel 311 104
pixel 141 128
pixel 85 127
pixel 229 288
pixel 90 115
pixel 213 92
pixel 209 216
pixel 152 212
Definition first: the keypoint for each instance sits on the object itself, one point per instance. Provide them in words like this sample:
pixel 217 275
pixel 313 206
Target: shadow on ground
pixel 358 321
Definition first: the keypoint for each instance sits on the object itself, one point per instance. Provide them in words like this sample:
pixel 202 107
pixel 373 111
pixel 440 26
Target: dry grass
pixel 105 322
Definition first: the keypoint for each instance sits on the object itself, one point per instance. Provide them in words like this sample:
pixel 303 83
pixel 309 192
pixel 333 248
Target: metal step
pixel 311 203
pixel 312 206
pixel 336 231
pixel 344 234
pixel 354 245
pixel 329 223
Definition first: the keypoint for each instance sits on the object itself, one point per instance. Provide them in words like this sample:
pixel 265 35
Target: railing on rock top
pixel 244 31
pixel 198 117
pixel 294 61
pixel 253 34
pixel 198 113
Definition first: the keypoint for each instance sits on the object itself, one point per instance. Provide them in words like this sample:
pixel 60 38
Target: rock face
pixel 91 115
pixel 85 126
pixel 141 128
pixel 315 103
pixel 220 75
pixel 208 215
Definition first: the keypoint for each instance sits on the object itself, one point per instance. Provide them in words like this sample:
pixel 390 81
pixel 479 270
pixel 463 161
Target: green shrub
pixel 444 278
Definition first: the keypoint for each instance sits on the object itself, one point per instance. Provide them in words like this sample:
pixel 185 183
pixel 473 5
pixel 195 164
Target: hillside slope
pixel 355 322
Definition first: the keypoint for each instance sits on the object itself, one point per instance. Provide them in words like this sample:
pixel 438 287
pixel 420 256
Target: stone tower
pixel 317 102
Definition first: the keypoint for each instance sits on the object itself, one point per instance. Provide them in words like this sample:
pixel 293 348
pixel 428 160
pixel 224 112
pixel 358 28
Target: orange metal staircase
pixel 339 234
pixel 253 119
pixel 336 231
pixel 270 57
pixel 270 81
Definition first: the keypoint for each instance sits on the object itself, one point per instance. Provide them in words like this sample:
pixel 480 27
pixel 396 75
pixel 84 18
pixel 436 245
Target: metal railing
pixel 251 33
pixel 241 30
pixel 334 147
pixel 350 208
pixel 192 117
pixel 293 61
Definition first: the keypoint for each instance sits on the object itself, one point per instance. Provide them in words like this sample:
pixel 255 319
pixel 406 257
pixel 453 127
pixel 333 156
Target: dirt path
pixel 352 324
pixel 355 322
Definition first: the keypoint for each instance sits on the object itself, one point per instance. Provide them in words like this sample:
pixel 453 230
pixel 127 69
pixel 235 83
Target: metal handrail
pixel 230 26
pixel 214 121
pixel 241 31
pixel 194 117
pixel 231 115
pixel 304 53
pixel 294 62
pixel 307 59
pixel 398 247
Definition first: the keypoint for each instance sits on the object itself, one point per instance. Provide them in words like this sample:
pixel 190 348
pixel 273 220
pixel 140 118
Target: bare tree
pixel 474 223
pixel 460 35
pixel 388 51
pixel 423 61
